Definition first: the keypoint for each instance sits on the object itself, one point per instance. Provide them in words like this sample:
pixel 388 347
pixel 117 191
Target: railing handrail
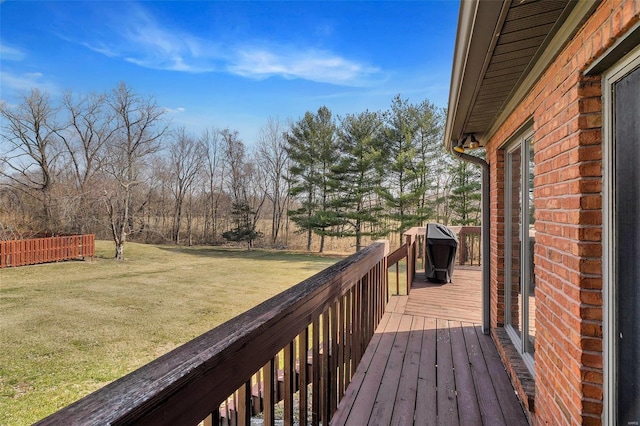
pixel 187 384
pixel 395 257
pixel 416 230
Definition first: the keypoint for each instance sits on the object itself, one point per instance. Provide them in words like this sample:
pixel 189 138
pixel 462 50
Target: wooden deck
pixel 429 363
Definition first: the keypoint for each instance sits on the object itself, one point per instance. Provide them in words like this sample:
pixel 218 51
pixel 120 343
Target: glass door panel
pixel 530 239
pixel 514 229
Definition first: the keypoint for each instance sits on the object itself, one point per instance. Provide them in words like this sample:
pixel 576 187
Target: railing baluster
pixel 342 334
pixel 316 369
pixel 279 388
pixel 325 408
pixel 334 371
pixel 359 319
pixel 269 393
pixel 288 383
pixel 367 310
pixel 212 419
pixel 348 326
pixel 234 413
pixel 385 281
pixel 244 405
pixel 382 300
pixel 303 365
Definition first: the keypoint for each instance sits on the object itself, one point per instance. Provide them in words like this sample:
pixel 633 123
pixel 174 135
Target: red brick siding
pixel 496 159
pixel 566 109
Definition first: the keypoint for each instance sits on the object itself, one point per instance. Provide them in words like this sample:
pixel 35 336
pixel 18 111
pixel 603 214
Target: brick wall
pixel 566 109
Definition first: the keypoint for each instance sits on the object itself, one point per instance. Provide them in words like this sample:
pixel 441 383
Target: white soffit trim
pixel 579 14
pixel 478 24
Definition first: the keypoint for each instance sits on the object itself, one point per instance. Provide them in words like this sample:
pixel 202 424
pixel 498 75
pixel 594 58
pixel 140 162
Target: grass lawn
pixel 67 329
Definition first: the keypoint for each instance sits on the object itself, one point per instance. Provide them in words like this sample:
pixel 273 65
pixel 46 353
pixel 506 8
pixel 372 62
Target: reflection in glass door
pixel 519 247
pixel 513 228
pixel 621 241
pixel 627 244
pixel 530 241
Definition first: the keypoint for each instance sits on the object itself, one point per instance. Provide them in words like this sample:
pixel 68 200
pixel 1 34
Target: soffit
pixel 497 46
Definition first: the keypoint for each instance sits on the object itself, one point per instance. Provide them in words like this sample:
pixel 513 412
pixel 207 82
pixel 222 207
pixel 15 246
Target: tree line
pixel 112 164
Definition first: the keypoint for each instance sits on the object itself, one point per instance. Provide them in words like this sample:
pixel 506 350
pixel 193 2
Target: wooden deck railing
pixel 469 245
pixel 303 344
pixel 44 250
pixel 412 252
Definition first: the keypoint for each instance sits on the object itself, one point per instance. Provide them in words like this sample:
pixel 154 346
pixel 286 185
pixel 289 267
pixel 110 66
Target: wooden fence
pixel 44 250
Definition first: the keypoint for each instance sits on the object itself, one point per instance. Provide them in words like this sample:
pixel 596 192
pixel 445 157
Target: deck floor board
pixel 468 407
pixel 405 405
pixel 429 363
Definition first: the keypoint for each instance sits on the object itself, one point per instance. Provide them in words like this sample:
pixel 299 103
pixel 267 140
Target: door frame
pixel 614 74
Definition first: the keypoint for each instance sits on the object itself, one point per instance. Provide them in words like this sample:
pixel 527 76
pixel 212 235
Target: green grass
pixel 69 328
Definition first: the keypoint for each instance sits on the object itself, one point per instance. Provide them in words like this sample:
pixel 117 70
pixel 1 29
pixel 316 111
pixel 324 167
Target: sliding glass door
pixel 622 242
pixel 519 247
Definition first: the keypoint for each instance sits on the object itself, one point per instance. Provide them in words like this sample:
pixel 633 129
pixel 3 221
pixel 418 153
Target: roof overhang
pixel 502 49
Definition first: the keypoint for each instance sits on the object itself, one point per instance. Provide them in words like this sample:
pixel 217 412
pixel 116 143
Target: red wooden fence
pixel 43 250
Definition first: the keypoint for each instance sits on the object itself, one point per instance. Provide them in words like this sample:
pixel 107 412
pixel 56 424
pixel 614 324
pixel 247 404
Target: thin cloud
pixel 174 110
pixel 140 39
pixel 318 66
pixel 137 37
pixel 23 83
pixel 11 53
pixel 100 48
pixel 157 47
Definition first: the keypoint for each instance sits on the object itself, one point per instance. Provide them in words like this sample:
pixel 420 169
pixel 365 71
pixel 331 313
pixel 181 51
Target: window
pixel 519 247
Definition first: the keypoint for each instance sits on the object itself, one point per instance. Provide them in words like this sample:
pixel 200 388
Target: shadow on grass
pixel 257 254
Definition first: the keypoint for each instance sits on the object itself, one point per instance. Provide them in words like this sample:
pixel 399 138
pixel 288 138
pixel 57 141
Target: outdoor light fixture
pixel 474 142
pixel 460 146
pixel 472 145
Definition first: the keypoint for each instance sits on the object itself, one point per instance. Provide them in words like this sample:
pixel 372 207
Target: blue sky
pixel 232 64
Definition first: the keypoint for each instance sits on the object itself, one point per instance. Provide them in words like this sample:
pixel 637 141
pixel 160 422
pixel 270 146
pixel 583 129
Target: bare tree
pixel 241 184
pixel 157 206
pixel 186 161
pixel 31 160
pixel 140 126
pixel 91 125
pixel 215 169
pixel 274 163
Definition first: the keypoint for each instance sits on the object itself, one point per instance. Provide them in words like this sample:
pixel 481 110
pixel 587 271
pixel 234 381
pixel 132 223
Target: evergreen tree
pixel 244 226
pixel 443 163
pixel 313 151
pixel 325 218
pixel 465 194
pixel 358 176
pixel 402 188
pixel 430 161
